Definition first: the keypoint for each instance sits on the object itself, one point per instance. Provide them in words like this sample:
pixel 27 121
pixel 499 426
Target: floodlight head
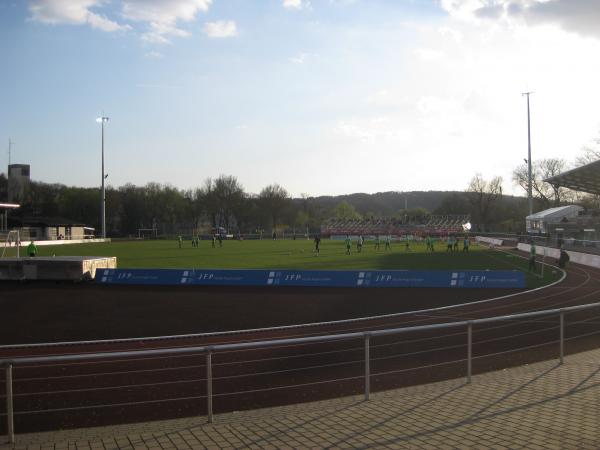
pixel 101 119
pixel 467 226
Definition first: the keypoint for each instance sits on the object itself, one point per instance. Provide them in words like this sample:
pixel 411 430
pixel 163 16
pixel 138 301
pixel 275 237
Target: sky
pixel 324 97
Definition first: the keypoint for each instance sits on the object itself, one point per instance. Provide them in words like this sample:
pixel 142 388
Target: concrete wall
pixel 576 257
pixel 489 240
pixel 25 243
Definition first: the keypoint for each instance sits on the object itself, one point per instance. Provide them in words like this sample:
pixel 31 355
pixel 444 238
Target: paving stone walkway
pixel 539 406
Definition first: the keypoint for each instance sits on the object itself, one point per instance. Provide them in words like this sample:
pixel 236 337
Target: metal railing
pixel 210 350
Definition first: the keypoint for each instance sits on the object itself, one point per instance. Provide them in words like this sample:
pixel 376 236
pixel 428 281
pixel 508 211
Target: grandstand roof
pixel 556 213
pixel 585 178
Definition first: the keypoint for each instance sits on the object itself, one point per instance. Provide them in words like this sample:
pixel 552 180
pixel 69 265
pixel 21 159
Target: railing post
pixel 10 422
pixel 562 336
pixel 209 390
pixel 367 366
pixel 469 351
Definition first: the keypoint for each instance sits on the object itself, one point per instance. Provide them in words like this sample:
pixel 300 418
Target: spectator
pixel 563 259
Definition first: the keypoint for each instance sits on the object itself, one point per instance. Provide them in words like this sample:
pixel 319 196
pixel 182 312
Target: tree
pixel 454 204
pixel 229 195
pixel 345 210
pixel 132 208
pixel 209 201
pixel 483 195
pixel 274 199
pixel 548 194
pixel 589 153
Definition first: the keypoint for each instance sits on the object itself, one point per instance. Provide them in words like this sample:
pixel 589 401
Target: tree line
pixel 223 202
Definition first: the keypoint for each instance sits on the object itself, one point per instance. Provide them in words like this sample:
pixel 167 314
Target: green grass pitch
pixel 298 254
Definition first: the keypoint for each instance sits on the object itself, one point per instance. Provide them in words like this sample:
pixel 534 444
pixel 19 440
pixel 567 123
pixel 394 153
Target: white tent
pixel 538 222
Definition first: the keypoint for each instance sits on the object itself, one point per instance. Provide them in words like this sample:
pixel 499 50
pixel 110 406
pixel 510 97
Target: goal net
pixel 11 239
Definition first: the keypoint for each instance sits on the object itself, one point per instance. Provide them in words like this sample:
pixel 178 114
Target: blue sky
pixel 323 97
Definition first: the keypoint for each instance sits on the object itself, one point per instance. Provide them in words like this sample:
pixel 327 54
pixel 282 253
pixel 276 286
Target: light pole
pixel 102 120
pixel 529 190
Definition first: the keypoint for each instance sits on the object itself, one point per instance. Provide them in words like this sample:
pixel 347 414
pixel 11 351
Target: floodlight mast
pixel 102 120
pixel 529 184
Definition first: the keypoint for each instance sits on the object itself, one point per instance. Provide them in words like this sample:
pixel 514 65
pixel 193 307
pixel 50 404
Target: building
pixel 19 178
pixel 50 228
pixel 585 228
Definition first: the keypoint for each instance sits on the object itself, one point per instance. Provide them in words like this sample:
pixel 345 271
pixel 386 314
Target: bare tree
pixel 230 196
pixel 274 199
pixel 207 198
pixel 589 153
pixel 483 195
pixel 548 194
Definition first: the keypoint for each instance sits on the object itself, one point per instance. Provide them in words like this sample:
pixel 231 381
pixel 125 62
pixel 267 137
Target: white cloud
pixel 299 59
pixel 220 29
pixel 369 129
pixel 154 55
pixel 163 16
pixel 73 12
pixel 578 16
pixel 296 4
pixel 428 54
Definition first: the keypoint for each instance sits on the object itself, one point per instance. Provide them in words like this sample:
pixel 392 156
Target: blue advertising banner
pixel 317 278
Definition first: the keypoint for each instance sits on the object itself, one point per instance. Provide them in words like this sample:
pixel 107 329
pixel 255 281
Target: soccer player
pixel 377 243
pixel 179 241
pixel 449 244
pixel 455 246
pixel 214 240
pixel 317 244
pixel 532 253
pixel 348 244
pixel 407 244
pixel 359 243
pixel 31 249
pixel 466 244
pixel 388 242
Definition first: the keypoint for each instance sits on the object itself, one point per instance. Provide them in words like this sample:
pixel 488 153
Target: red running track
pixel 52 396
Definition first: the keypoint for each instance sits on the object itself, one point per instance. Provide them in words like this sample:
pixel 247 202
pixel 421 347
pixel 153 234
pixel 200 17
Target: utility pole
pixel 529 184
pixel 10 145
pixel 103 120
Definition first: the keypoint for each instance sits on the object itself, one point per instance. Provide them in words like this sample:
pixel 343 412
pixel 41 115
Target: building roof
pixel 9 206
pixel 556 213
pixel 45 222
pixel 585 178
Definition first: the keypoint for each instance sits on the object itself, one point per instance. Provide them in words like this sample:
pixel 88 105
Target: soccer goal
pixel 12 239
pixel 147 233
